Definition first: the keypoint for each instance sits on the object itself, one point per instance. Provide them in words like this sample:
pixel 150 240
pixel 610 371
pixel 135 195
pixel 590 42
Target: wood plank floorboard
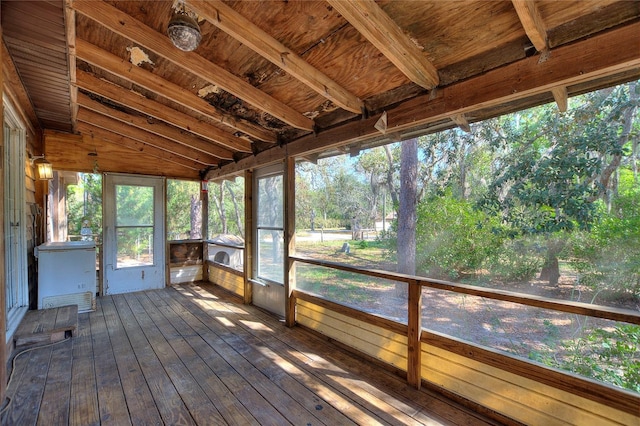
pixel 193 354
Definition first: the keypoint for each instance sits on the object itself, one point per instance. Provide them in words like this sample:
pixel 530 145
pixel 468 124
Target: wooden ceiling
pixel 306 78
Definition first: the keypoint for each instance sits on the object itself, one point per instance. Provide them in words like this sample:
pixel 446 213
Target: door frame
pixel 16 274
pixel 152 276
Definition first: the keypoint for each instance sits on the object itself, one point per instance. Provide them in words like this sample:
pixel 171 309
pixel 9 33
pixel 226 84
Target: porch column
pixel 414 329
pixel 290 240
pixel 248 236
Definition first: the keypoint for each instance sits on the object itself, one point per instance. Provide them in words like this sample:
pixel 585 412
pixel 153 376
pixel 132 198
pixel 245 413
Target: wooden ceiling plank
pixel 146 106
pixel 158 128
pixel 580 62
pixel 378 27
pixel 123 24
pixel 532 22
pixel 88 129
pixel 14 88
pixel 249 34
pixel 561 97
pixel 108 123
pixel 90 154
pixel 124 69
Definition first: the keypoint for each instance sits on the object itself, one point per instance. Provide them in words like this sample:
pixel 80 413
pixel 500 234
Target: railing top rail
pixel 580 308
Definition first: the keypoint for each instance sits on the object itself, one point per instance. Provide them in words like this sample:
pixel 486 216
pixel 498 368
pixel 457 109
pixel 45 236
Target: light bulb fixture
pixel 184 31
pixel 45 170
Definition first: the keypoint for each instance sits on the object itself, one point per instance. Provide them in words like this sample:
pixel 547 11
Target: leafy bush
pixel 452 238
pixel 607 257
pixel 608 356
pixel 515 260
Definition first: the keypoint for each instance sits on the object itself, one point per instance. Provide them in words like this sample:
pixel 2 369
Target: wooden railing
pixel 587 388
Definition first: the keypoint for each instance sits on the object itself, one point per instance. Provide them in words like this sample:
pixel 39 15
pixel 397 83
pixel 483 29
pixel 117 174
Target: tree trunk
pixel 239 218
pixel 551 269
pixel 407 212
pixel 196 218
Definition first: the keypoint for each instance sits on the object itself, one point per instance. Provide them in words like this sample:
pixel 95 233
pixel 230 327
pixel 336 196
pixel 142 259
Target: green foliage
pixel 183 202
pixel 610 356
pixel 452 237
pixel 607 258
pixel 84 202
pixel 226 208
pixel 516 260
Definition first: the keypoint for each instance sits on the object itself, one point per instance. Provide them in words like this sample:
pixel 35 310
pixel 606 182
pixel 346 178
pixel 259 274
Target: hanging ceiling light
pixel 184 31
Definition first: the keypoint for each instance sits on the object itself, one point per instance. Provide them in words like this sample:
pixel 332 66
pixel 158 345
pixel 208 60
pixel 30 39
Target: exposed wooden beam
pixel 249 34
pixel 461 122
pixel 532 22
pixel 561 97
pixel 126 70
pixel 155 154
pixel 88 153
pixel 157 110
pixel 377 27
pixel 580 62
pixel 123 24
pixel 106 122
pixel 70 27
pixel 157 128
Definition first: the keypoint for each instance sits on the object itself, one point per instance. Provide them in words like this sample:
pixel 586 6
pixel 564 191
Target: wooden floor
pixel 194 355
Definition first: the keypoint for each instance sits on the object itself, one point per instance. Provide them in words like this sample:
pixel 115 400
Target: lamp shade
pixel 45 171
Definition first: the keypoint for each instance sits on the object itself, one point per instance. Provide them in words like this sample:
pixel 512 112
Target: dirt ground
pixel 516 329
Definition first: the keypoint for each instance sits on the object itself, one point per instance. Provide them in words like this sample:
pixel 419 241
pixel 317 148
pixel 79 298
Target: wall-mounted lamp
pixel 183 30
pixel 45 171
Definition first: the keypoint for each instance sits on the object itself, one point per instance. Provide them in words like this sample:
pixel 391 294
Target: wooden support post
pixel 204 232
pixel 248 236
pixel 414 329
pixel 290 240
pixel 3 284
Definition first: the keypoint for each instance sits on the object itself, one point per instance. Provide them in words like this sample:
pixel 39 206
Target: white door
pixel 134 233
pixel 268 274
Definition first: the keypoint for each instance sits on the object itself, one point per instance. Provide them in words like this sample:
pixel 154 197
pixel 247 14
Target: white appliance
pixel 67 274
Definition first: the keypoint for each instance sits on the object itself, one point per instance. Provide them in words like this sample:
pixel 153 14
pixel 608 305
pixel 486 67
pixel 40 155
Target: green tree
pixel 184 209
pixel 84 203
pixel 553 167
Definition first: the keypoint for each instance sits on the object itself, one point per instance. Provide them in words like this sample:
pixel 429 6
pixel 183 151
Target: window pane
pixel 270 202
pixel 226 210
pixel 270 257
pixel 184 210
pixel 134 205
pixel 374 295
pixel 135 246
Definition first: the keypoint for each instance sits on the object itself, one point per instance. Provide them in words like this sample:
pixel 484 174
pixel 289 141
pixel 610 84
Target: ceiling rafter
pixel 561 97
pixel 115 65
pixel 128 27
pixel 108 123
pixel 156 128
pixel 532 22
pixel 598 57
pixel 249 34
pixel 159 111
pixel 462 122
pixel 70 24
pixel 91 130
pixel 381 31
